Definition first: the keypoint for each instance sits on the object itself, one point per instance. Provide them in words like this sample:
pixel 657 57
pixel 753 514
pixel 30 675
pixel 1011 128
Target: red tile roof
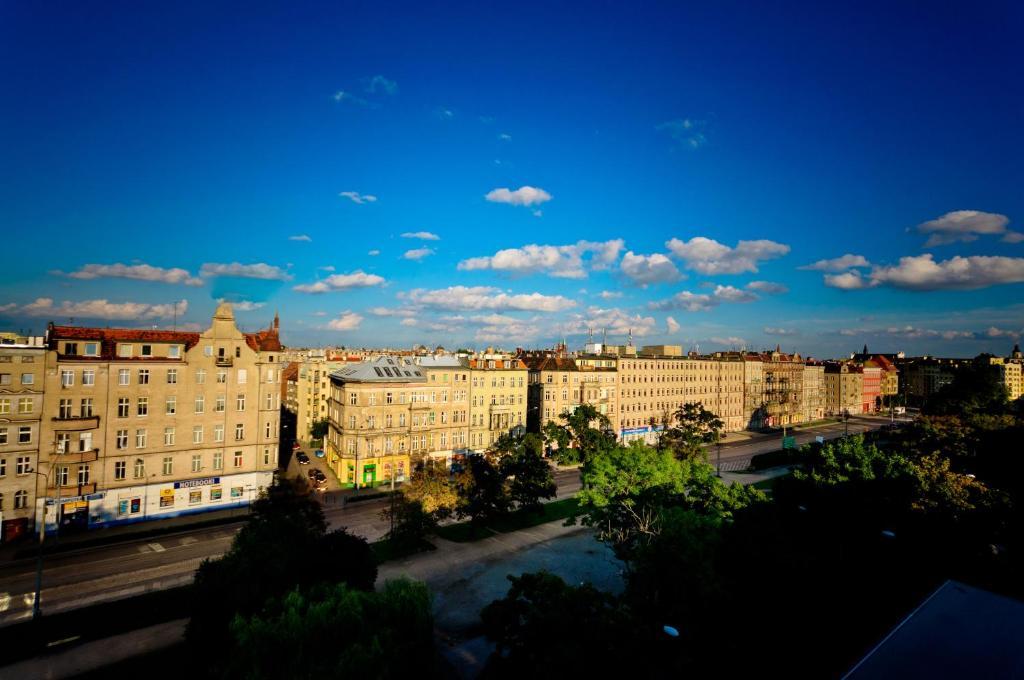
pixel 109 336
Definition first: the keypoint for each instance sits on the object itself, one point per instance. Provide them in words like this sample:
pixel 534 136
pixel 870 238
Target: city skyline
pixel 719 182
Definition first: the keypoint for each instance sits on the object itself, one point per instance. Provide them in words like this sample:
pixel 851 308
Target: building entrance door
pixel 369 474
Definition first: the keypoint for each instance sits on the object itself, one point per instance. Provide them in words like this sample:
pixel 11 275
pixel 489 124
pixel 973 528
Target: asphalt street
pixel 80 577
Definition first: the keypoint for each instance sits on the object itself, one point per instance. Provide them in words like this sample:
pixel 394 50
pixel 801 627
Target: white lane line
pixel 156 547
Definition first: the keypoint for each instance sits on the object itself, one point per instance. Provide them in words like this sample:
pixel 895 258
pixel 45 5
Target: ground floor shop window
pixel 167 498
pixel 236 492
pixel 195 497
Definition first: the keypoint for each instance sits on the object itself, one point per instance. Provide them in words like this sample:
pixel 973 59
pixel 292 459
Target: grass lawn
pixel 463 532
pixel 386 551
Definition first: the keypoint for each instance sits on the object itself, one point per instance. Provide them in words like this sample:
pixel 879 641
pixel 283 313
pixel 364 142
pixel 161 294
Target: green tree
pixel 482 490
pixel 582 434
pixel 692 428
pixel 975 388
pixel 529 476
pixel 318 430
pixel 416 509
pixel 284 544
pixel 334 631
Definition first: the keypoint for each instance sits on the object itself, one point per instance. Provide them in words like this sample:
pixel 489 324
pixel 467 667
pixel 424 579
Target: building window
pixel 174 351
pixel 218 460
pixel 143 376
pixel 168 468
pixel 71 348
pixel 269 430
pixel 240 402
pixel 352 399
pixel 270 400
pixel 25 434
pixel 168 436
pixel 140 439
pixel 197 434
pixel 20 500
pixel 123 376
pixel 64 409
pixel 200 403
pixel 120 469
pixel 139 470
pixel 208 351
pixel 239 432
pixel 195 497
pixel 219 406
pixel 28 379
pixel 122 439
pixel 242 376
pixel 147 350
pixel 86 409
pixel 238 459
pixel 172 376
pixel 222 375
pixel 171 405
pixel 142 406
pixel 23 465
pixel 266 456
pixel 62 475
pixel 218 433
pixel 5 378
pixel 83 474
pixel 3 440
pixel 89 377
pixel 201 376
pixel 197 462
pixel 63 442
pixel 67 377
pixel 124 350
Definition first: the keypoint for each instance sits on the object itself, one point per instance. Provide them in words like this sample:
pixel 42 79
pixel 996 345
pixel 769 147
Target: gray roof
pixel 443 361
pixel 382 369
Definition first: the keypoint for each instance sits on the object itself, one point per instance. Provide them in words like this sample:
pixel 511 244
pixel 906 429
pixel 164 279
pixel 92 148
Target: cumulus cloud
pixel 10 306
pixel 422 235
pixel 373 253
pixel 912 332
pixel 243 305
pixel 767 287
pixel 672 324
pixel 346 321
pixel 300 237
pixel 729 341
pixel 923 273
pixel 702 302
pixel 610 294
pixel 505 137
pixel 259 270
pixel 964 225
pixel 392 311
pixel 417 253
pixel 103 309
pixel 710 257
pixel 524 195
pixel 557 261
pixel 613 320
pixel 357 279
pixel 772 330
pixel 381 84
pixel 357 197
pixel 408 322
pixel 838 264
pixel 486 298
pixel 138 272
pixel 687 132
pixel 648 269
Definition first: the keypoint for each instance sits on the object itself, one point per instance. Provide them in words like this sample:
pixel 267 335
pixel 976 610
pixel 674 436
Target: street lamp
pixel 36 611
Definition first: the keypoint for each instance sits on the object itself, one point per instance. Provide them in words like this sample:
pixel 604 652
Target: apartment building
pixel 1009 372
pixel 871 388
pixel 559 384
pixel 814 390
pixel 308 391
pixel 497 394
pixel 21 412
pixel 843 387
pixel 147 424
pixel 450 375
pixel 653 386
pixel 923 377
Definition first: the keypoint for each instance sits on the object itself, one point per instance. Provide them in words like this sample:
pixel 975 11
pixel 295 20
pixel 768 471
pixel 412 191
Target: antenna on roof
pixel 175 315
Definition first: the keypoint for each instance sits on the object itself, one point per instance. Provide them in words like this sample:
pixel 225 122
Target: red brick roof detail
pixel 266 340
pixel 109 337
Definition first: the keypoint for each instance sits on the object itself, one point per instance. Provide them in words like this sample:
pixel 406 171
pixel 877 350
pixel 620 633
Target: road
pixel 78 578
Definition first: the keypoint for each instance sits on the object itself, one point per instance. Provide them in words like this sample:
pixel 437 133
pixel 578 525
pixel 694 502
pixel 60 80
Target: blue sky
pixel 667 168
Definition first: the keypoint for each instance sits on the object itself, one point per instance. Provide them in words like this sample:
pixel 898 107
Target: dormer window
pixel 92 349
pixel 174 351
pixel 124 350
pixel 71 348
pixel 147 350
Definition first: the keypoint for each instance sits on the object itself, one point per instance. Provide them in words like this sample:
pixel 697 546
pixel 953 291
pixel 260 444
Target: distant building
pixel 22 369
pixel 814 391
pixel 844 383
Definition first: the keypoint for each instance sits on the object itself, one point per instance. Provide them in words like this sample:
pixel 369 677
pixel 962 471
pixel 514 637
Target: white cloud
pixel 557 261
pixel 319 313
pixel 673 325
pixel 10 306
pixel 994 332
pixel 138 272
pixel 610 294
pixel 911 332
pixel 357 279
pixel 417 253
pixel 524 195
pixel 505 137
pixel 614 321
pixel 771 330
pixel 300 237
pixel 347 321
pixel 1012 237
pixel 922 272
pixel 767 287
pixel 963 225
pixel 422 235
pixel 702 302
pixel 708 256
pixel 326 268
pixel 341 96
pixel 687 131
pixel 408 322
pixel 381 84
pixel 357 197
pixel 373 253
pixel 729 341
pixel 486 298
pixel 392 311
pixel 259 270
pixel 243 305
pixel 838 264
pixel 538 213
pixel 647 269
pixel 103 309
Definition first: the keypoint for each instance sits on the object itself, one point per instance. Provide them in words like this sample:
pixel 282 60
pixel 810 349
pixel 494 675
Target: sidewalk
pixel 97 654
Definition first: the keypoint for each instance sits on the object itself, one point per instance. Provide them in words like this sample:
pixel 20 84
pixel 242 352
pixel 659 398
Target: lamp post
pixel 846 423
pixel 36 611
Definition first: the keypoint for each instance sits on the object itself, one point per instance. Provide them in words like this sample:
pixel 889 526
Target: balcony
pixel 87 456
pixel 75 423
pixel 225 362
pixel 77 489
pixel 501 408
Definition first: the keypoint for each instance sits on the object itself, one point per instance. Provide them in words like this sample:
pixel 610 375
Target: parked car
pixel 312 474
pixel 319 475
pixel 302 458
pixel 296 446
pixel 319 453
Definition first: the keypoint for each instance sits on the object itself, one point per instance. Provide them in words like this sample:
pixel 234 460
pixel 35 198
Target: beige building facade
pixel 814 391
pixel 843 388
pixel 21 411
pixel 497 394
pixel 145 424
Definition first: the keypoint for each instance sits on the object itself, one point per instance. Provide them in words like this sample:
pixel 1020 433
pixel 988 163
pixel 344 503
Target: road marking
pixel 5 601
pixel 188 540
pixel 156 547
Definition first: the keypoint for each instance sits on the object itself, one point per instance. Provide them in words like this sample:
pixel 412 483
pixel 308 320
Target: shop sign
pixel 192 483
